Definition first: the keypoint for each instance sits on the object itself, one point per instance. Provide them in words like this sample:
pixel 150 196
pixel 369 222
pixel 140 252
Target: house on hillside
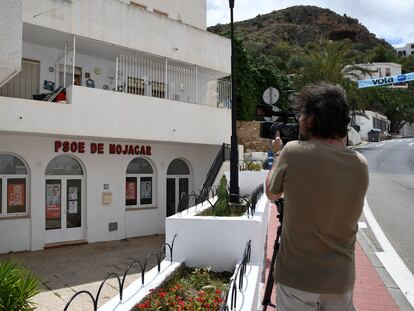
pixel 369 120
pixel 109 111
pixel 406 50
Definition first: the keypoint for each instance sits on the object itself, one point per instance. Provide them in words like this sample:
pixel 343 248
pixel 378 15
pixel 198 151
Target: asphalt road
pixel 391 192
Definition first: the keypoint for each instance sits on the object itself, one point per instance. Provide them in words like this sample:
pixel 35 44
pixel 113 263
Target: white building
pixel 369 120
pixel 381 70
pixel 144 116
pixel 406 50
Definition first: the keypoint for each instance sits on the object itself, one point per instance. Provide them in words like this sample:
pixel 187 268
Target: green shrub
pixel 222 204
pixel 253 166
pixel 17 287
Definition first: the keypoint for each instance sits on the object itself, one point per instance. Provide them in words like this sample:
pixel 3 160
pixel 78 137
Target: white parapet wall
pixel 249 180
pixel 218 242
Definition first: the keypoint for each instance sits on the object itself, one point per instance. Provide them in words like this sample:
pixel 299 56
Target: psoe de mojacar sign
pixel 386 80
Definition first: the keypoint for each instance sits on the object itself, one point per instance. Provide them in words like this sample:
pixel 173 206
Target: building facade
pixel 369 120
pixel 406 50
pixel 109 110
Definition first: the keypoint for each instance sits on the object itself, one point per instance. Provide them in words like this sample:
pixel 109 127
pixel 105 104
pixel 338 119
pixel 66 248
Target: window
pixel 64 165
pixel 412 46
pixel 139 184
pixel 26 83
pixel 13 186
pixel 379 72
pixel 387 72
pixel 136 86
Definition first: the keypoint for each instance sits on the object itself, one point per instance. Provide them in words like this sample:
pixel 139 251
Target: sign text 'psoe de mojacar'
pixel 101 148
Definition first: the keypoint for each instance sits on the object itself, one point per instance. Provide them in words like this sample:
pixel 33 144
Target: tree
pixel 334 62
pixel 381 54
pixel 396 104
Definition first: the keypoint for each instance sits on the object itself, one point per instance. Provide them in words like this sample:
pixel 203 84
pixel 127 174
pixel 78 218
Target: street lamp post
pixel 234 157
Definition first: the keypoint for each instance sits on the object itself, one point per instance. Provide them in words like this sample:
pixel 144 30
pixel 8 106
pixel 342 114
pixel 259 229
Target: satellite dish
pixel 271 96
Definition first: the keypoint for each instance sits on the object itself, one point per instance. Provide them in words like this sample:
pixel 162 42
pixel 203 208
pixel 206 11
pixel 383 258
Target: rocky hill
pixel 299 26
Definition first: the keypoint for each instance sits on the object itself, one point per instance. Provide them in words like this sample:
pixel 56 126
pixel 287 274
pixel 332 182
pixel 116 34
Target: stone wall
pixel 248 135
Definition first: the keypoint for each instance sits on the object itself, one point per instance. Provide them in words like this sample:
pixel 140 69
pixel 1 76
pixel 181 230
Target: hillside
pixel 299 26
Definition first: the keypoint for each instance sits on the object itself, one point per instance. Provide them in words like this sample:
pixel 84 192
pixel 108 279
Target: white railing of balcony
pixel 179 82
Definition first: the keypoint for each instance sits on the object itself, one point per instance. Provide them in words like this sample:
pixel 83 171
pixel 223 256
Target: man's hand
pixel 277 146
pixel 277 143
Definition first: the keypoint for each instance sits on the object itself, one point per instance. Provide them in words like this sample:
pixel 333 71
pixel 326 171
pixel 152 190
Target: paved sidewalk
pixel 66 270
pixel 370 293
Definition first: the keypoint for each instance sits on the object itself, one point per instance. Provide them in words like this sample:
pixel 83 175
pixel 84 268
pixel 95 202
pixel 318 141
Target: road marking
pixel 362 225
pixel 410 144
pixel 389 258
pixel 379 145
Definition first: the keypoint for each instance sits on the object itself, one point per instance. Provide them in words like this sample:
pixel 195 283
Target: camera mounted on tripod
pixel 284 122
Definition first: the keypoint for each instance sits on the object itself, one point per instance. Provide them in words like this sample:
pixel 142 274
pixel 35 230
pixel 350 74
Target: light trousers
pixel 291 299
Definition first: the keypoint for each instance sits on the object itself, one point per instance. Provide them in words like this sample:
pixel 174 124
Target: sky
pixel 391 20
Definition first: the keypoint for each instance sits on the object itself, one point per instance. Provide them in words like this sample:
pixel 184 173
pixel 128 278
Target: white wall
pixel 100 169
pixel 122 24
pixel 407 130
pixel 218 242
pixel 366 123
pixel 191 12
pixel 11 25
pixel 109 114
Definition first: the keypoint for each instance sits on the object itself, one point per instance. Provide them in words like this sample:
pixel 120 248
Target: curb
pixel 370 250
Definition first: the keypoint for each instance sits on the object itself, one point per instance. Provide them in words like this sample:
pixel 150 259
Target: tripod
pixel 270 281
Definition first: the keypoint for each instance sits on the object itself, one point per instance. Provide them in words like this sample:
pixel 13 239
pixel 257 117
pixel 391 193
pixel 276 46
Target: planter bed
pixel 188 289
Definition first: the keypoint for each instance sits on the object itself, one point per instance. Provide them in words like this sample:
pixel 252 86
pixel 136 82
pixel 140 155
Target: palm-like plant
pixel 17 287
pixel 334 62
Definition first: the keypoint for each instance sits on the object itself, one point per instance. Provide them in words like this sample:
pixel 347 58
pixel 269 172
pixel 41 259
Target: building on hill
pixel 381 70
pixel 109 111
pixel 369 120
pixel 406 50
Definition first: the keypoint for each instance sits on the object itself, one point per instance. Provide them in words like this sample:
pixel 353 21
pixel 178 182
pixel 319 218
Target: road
pixel 391 192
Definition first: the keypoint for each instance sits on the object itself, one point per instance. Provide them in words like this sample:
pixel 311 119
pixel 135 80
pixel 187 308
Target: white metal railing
pixel 164 79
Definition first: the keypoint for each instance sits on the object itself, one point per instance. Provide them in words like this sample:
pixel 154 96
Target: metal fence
pixel 121 278
pixel 194 200
pixel 170 80
pixel 236 282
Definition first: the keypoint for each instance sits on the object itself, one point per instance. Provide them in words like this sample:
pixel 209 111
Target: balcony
pixel 80 87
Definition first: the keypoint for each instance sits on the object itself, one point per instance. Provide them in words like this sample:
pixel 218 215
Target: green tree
pixel 334 62
pixel 396 104
pixel 381 54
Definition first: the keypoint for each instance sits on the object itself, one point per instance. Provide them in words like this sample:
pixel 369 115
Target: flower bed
pixel 188 289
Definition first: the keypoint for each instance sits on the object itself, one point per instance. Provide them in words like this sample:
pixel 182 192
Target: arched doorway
pixel 178 181
pixel 64 200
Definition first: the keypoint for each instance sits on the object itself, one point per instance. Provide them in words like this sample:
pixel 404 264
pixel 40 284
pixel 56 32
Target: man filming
pixel 323 184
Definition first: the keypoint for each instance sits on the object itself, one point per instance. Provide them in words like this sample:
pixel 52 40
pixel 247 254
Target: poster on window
pixel 16 194
pixel 146 190
pixel 73 193
pixel 131 191
pixel 73 207
pixel 53 201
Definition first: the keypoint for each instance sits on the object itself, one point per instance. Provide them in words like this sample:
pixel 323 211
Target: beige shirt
pixel 324 188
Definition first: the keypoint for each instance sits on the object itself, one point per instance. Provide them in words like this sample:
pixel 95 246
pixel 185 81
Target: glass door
pixel 171 196
pixel 64 210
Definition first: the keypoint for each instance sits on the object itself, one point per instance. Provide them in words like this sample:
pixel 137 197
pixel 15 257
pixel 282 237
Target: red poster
pixel 131 190
pixel 53 202
pixel 16 194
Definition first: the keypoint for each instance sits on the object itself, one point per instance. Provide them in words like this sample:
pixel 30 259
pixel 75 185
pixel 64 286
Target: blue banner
pixel 402 78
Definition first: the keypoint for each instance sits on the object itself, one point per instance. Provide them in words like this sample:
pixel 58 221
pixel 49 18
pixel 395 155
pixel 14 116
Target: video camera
pixel 286 123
